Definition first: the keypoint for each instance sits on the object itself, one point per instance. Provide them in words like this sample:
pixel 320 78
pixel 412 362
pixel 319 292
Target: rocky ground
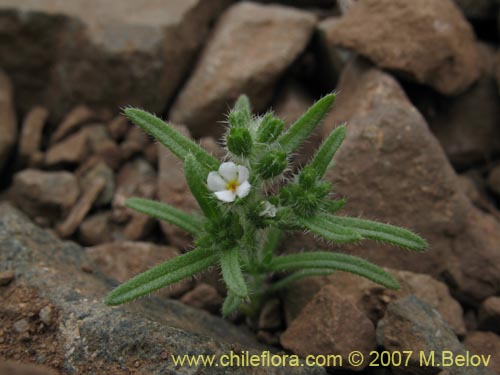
pixel 418 86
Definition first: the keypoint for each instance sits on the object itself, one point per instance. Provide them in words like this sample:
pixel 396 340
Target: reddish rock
pixel 31 134
pixel 125 259
pixel 392 169
pixel 433 45
pixel 205 297
pixel 72 150
pixel 8 120
pixel 107 55
pixel 250 48
pixel 489 315
pixel 77 117
pixel 330 323
pixel 46 194
pixel 485 344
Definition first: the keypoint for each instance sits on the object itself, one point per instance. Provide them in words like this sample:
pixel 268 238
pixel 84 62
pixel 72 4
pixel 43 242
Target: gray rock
pixel 104 54
pixel 141 334
pixel 426 40
pixel 250 48
pixel 8 120
pixel 410 324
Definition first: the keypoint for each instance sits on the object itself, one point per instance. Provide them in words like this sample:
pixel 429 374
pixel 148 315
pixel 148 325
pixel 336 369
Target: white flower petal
pixel 243 174
pixel 228 171
pixel 269 210
pixel 215 182
pixel 225 195
pixel 243 190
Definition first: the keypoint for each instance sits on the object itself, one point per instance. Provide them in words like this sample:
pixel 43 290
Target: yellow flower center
pixel 232 185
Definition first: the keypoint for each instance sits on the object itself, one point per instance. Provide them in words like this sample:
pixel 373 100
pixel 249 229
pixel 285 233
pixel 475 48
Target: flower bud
pixel 270 128
pixel 239 119
pixel 272 164
pixel 308 177
pixel 239 141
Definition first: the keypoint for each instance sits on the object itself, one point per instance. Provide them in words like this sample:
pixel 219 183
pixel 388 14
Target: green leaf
pixel 290 279
pixel 242 105
pixel 167 273
pixel 171 138
pixel 334 261
pixel 231 272
pixel 231 304
pixel 272 242
pixel 330 231
pixel 304 126
pixel 196 177
pixel 381 232
pixel 327 151
pixel 162 211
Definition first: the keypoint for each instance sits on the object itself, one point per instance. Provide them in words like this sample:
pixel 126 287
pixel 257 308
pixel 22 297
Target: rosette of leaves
pixel 240 230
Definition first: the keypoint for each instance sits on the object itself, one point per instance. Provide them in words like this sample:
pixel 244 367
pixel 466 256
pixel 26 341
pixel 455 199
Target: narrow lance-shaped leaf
pixel 271 243
pixel 290 279
pixel 196 177
pixel 171 138
pixel 304 126
pixel 242 105
pixel 163 275
pixel 231 304
pixel 231 272
pixel 165 212
pixel 380 232
pixel 327 151
pixel 330 231
pixel 334 261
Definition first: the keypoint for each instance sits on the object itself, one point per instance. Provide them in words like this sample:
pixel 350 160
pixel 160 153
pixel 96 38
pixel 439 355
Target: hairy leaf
pixel 231 272
pixel 330 231
pixel 231 304
pixel 327 151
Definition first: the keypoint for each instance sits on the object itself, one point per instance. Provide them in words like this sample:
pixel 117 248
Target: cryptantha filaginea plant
pixel 247 204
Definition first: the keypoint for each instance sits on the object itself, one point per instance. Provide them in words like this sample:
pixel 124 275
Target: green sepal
pixel 381 232
pixel 178 144
pixel 330 231
pixel 334 261
pixel 196 177
pixel 269 129
pixel 242 106
pixel 162 211
pixel 327 151
pixel 304 126
pixel 272 164
pixel 167 273
pixel 239 141
pixel 231 272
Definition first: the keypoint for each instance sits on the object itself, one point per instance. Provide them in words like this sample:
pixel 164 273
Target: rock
pixel 45 194
pixel 8 119
pixel 250 48
pixel 101 145
pixel 21 326
pixel 92 170
pixel 6 277
pixel 373 299
pixel 489 315
pixel 139 226
pixel 118 127
pixel 478 9
pixel 135 142
pixel 46 315
pixel 205 297
pixel 494 180
pixel 75 119
pixel 410 324
pixel 270 317
pixel 467 138
pixel 96 229
pixel 62 54
pixel 433 45
pixel 31 134
pixel 72 150
pixel 16 368
pixel 86 328
pixel 485 343
pixel 392 169
pixel 81 208
pixel 328 324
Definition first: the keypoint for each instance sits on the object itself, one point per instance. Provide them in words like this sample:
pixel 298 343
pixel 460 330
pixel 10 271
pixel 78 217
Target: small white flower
pixel 268 210
pixel 229 182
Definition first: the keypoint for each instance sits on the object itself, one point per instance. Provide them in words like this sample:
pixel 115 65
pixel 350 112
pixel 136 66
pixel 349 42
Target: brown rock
pixel 135 142
pixel 96 229
pixel 392 169
pixel 77 117
pixel 205 297
pixel 101 144
pixel 124 259
pixel 8 120
pixel 45 194
pixel 485 344
pixel 81 208
pixel 139 227
pixel 72 150
pixel 328 324
pixel 118 127
pixel 31 134
pixel 63 53
pixel 6 277
pixel 433 45
pixel 16 368
pixel 270 317
pixel 92 170
pixel 250 48
pixel 478 9
pixel 494 180
pixel 489 315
